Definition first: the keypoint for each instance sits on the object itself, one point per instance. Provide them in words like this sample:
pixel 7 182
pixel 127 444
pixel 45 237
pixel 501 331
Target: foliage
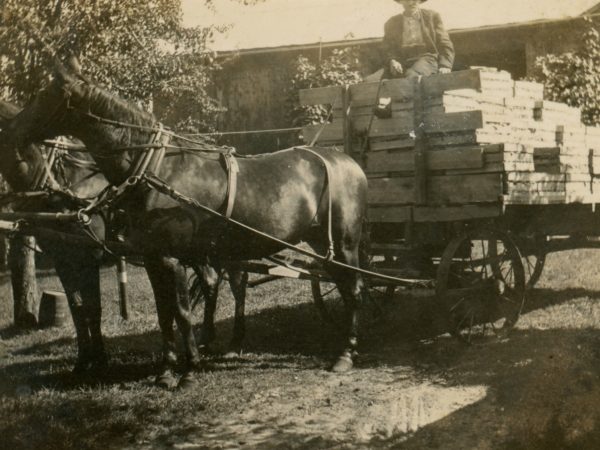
pixel 574 77
pixel 340 68
pixel 136 48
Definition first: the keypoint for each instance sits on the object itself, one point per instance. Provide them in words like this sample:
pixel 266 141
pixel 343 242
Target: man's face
pixel 409 5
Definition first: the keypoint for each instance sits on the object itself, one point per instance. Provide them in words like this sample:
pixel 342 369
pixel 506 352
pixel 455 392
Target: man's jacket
pixel 436 38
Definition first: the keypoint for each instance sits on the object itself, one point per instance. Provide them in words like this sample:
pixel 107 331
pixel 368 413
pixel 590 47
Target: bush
pixel 339 69
pixel 574 77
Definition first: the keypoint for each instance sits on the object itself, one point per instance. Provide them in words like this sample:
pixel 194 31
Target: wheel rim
pixel 534 266
pixel 481 284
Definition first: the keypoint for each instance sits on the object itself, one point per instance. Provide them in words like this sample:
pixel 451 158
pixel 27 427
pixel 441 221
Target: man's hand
pixel 396 67
pixel 444 70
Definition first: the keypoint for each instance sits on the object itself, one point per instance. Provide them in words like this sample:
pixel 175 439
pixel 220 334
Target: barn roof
pixel 277 23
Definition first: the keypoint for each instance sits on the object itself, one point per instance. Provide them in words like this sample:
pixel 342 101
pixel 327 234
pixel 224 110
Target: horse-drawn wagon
pixel 469 174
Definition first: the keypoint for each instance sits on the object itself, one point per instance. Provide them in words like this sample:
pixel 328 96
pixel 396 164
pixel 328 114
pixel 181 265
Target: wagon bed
pixel 474 167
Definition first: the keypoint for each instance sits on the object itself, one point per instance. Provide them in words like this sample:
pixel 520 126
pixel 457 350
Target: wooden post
pixel 122 275
pixel 420 146
pixel 347 123
pixel 24 282
pixel 3 252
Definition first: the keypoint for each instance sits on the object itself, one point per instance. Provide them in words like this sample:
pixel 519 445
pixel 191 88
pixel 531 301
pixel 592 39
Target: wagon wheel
pixel 534 258
pixel 534 266
pixel 481 283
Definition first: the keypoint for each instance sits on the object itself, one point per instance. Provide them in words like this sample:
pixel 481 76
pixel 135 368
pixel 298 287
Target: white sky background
pixel 285 22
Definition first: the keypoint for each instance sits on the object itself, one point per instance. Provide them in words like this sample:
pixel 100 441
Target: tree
pixel 137 48
pixel 574 77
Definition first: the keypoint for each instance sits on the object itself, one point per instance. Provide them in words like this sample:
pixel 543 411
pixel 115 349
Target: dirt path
pixel 354 409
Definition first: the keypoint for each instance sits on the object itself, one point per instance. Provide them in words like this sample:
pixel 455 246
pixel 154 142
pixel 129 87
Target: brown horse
pixel 284 194
pixel 25 169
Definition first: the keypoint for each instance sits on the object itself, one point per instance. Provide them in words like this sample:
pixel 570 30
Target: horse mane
pixel 108 105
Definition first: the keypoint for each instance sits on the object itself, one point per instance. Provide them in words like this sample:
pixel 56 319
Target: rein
pixel 152 156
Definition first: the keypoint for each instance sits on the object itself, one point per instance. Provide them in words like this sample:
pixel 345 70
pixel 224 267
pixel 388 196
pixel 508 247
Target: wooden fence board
pixel 454 213
pixel 390 214
pixel 376 146
pixel 441 190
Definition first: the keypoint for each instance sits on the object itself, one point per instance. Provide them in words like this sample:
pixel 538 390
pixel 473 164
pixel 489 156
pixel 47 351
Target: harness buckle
pixel 132 181
pixel 83 217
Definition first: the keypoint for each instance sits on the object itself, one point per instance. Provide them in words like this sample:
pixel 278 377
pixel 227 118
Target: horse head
pixel 71 105
pixel 20 166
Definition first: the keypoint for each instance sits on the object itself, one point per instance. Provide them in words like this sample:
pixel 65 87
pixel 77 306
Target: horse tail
pixel 204 281
pixel 195 288
pixel 364 246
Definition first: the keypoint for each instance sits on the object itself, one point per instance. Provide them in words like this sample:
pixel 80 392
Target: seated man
pixel 415 43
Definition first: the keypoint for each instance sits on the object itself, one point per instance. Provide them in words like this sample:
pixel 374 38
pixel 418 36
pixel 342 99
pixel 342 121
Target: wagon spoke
pixel 453 307
pixel 482 286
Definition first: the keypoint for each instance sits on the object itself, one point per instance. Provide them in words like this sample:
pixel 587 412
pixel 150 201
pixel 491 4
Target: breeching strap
pixel 330 250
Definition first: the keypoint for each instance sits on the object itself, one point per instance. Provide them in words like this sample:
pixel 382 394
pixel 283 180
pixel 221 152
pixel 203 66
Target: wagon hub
pixel 499 286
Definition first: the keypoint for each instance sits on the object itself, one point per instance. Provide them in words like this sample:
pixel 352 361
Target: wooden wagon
pixel 473 179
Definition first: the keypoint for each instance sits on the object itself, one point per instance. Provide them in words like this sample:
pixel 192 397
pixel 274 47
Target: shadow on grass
pixel 543 386
pixel 283 332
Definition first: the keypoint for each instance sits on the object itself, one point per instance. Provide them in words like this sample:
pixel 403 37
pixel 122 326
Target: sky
pixel 287 22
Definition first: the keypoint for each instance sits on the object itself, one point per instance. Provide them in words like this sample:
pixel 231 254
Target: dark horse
pixel 25 169
pixel 284 194
pixel 78 266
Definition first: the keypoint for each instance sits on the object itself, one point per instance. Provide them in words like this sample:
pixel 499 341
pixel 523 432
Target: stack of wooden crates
pixel 460 146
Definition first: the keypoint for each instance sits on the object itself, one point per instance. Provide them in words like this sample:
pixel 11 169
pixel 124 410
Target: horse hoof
pixel 187 382
pixel 80 368
pixel 343 364
pixel 166 380
pixel 99 366
pixel 235 351
pixel 206 349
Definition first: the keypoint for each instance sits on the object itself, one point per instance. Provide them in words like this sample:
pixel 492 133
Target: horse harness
pixel 45 182
pixel 147 166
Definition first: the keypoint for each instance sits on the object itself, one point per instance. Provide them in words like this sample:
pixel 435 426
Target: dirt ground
pixel 413 386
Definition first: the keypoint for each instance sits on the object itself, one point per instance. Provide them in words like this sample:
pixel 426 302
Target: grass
pixel 542 385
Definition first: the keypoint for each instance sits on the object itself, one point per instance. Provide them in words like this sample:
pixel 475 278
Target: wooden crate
pixel 489 141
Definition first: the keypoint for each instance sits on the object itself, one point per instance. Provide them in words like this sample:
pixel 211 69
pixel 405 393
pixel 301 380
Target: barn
pixel 252 85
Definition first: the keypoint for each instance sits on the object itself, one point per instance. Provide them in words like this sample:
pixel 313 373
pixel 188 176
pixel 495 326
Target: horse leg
pixel 351 287
pixel 209 283
pixel 161 279
pixel 169 282
pixel 238 281
pixel 89 275
pixel 183 317
pixel 68 275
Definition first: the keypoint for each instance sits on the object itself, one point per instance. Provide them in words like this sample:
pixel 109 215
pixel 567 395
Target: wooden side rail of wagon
pixel 470 165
